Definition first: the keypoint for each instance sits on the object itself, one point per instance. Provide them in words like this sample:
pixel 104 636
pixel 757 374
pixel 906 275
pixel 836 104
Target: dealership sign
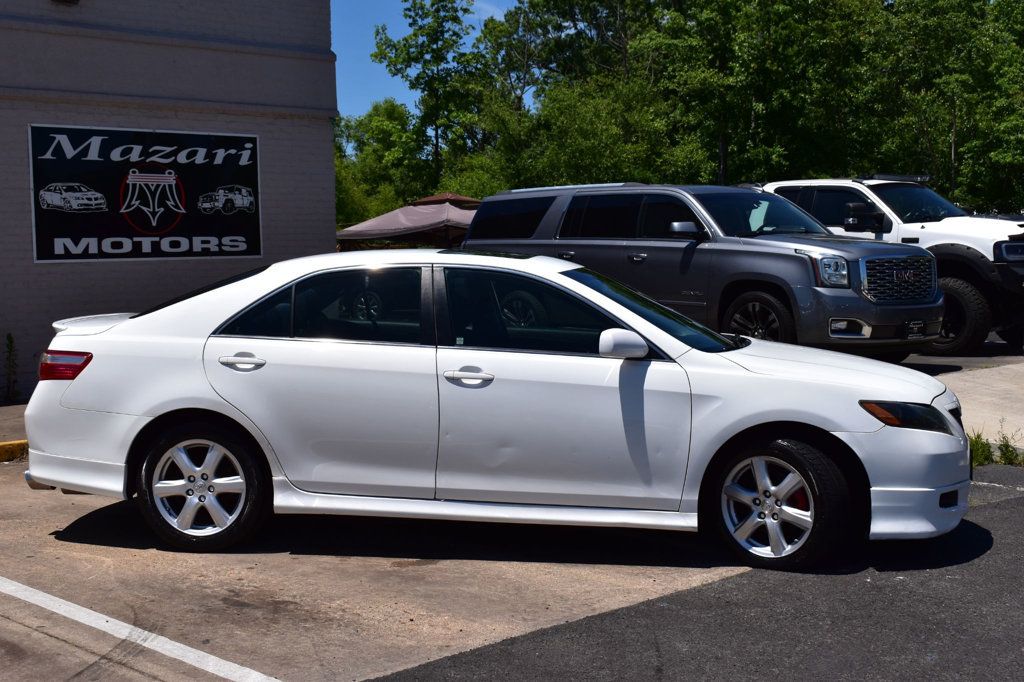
pixel 101 193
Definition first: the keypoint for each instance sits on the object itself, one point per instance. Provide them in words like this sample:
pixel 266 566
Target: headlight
pixel 1009 251
pixel 832 271
pixel 907 415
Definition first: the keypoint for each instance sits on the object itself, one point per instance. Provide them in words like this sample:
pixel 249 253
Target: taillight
pixel 62 364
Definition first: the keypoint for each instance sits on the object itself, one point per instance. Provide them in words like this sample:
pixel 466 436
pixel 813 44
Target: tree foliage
pixel 679 91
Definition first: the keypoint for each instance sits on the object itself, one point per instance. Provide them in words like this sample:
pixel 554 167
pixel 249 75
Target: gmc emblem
pixel 901 276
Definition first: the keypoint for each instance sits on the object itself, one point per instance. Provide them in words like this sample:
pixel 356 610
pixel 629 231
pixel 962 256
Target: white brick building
pixel 262 69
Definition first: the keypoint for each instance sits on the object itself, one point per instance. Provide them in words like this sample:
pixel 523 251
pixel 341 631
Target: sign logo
pixel 152 193
pixel 115 193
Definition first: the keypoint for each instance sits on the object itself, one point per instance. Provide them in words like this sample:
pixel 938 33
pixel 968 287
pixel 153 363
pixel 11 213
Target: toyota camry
pixel 451 385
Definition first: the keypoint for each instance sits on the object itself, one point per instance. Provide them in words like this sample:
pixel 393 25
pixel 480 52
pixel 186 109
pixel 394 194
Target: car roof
pixel 838 181
pixel 383 257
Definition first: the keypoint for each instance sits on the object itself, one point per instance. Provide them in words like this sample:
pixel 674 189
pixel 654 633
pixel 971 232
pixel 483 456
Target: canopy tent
pixel 432 222
pixel 457 200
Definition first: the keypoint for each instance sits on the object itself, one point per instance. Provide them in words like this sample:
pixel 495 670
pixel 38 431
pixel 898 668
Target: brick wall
pixel 254 67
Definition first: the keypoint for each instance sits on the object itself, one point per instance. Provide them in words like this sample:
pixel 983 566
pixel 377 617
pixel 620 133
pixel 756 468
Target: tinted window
pixel 830 205
pixel 602 216
pixel 750 214
pixel 360 305
pixel 509 218
pixel 659 212
pixel 496 310
pixel 914 202
pixel 667 320
pixel 791 193
pixel 270 317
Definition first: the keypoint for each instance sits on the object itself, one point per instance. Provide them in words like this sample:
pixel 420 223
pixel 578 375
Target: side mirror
pixel 684 228
pixel 623 344
pixel 862 218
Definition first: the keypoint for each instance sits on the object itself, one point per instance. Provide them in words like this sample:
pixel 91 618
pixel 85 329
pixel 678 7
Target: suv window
pixel 791 193
pixel 360 305
pixel 602 216
pixel 497 310
pixel 659 212
pixel 830 205
pixel 510 218
pixel 752 214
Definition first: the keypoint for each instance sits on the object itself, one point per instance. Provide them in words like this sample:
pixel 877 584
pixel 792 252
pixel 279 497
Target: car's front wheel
pixel 201 488
pixel 782 504
pixel 761 316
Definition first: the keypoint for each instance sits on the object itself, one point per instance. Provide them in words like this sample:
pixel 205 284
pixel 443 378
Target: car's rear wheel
pixel 761 316
pixel 782 504
pixel 202 488
pixel 229 207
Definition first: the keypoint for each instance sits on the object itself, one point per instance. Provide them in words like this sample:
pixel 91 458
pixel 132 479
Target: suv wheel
pixel 966 320
pixel 761 316
pixel 201 488
pixel 782 504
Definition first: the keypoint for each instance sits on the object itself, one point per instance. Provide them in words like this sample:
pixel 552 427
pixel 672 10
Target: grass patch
pixel 1003 451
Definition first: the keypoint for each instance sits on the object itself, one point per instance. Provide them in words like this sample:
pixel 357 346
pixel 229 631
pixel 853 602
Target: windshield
pixel 76 188
pixel 667 320
pixel 752 214
pixel 914 203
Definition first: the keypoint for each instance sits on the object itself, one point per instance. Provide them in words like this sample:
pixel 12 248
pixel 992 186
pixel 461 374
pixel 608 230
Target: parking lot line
pixel 122 630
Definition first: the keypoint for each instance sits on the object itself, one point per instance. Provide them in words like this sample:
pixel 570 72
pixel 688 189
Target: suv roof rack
pixel 923 179
pixel 750 185
pixel 598 185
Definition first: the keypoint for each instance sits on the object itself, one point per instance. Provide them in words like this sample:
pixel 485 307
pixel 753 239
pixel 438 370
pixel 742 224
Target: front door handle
pixel 459 375
pixel 243 362
pixel 637 257
pixel 566 255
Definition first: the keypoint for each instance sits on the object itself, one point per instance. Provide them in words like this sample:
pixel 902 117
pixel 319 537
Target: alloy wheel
pixel 198 487
pixel 757 320
pixel 767 507
pixel 367 306
pixel 518 310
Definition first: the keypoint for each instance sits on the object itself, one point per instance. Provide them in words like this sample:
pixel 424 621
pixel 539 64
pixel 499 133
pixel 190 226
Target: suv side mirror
pixel 622 343
pixel 684 228
pixel 862 218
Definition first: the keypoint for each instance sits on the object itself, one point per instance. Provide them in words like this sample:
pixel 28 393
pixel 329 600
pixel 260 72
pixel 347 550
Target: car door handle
pixel 459 375
pixel 566 255
pixel 243 363
pixel 637 257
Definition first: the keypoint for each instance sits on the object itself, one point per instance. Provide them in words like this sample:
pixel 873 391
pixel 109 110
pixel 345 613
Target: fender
pixel 965 255
pixel 715 309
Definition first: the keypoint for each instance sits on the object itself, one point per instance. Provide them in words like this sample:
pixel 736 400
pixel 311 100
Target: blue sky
pixel 361 81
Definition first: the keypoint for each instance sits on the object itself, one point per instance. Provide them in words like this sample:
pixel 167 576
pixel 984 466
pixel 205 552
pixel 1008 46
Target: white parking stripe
pixel 122 630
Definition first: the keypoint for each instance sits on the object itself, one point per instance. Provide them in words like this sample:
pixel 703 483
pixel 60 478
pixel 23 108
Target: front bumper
pixel 1011 280
pixel 889 324
pixel 920 480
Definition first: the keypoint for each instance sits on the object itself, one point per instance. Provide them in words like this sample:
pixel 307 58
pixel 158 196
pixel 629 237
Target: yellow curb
pixel 12 450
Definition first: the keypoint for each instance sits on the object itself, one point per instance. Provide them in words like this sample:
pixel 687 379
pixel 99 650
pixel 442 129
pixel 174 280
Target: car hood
pixel 994 229
pixel 850 248
pixel 879 380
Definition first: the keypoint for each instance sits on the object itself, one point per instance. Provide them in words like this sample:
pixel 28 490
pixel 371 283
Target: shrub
pixel 981 450
pixel 1006 445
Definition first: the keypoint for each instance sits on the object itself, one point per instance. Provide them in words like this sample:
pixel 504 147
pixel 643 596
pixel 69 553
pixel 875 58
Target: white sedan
pixel 450 385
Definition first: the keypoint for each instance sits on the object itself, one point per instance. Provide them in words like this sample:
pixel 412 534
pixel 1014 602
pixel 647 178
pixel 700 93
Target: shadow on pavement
pixel 120 525
pixel 994 353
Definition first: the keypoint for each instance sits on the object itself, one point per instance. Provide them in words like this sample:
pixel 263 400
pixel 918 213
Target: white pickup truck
pixel 980 258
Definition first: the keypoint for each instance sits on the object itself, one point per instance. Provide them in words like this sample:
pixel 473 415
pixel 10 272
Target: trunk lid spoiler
pixel 89 324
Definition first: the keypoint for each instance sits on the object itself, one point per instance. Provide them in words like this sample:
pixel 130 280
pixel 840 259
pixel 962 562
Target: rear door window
pixel 509 218
pixel 791 193
pixel 602 216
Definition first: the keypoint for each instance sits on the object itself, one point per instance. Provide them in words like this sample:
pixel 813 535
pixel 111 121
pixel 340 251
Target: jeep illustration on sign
pixel 110 193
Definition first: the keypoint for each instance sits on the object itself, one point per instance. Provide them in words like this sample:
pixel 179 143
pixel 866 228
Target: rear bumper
pixel 69 473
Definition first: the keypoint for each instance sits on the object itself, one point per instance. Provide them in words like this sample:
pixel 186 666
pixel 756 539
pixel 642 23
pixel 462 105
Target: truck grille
pixel 899 280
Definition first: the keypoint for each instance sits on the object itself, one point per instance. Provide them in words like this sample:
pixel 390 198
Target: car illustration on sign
pixel 72 197
pixel 228 199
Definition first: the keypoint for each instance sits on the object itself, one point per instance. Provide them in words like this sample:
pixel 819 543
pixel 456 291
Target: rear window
pixel 791 193
pixel 602 216
pixel 509 218
pixel 202 290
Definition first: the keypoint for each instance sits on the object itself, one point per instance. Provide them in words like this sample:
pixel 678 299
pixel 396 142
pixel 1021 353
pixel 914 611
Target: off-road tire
pixel 963 300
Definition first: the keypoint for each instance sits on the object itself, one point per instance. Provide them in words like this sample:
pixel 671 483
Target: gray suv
pixel 737 259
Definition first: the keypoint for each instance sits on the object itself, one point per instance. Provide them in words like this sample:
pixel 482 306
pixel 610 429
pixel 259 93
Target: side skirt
pixel 290 500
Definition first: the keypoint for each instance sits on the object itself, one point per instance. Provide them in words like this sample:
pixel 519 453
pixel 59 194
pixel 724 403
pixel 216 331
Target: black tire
pixel 228 208
pixel 967 319
pixel 759 315
pixel 830 504
pixel 248 510
pixel 1013 336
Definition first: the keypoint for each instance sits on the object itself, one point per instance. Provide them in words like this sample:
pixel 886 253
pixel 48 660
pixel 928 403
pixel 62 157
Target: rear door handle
pixel 638 257
pixel 566 255
pixel 243 362
pixel 459 375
